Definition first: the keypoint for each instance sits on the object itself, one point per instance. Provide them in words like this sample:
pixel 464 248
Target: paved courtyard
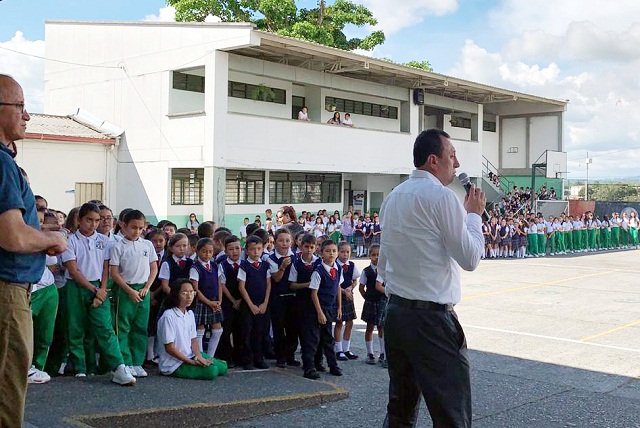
pixel 554 342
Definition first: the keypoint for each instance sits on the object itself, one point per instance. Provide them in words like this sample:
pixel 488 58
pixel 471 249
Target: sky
pixel 585 51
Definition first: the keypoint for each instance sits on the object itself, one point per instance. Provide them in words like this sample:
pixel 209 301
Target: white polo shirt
pixel 165 270
pixel 47 278
pixel 354 275
pixel 177 328
pixel 193 272
pixel 89 253
pixel 273 265
pixel 315 276
pixel 134 259
pixel 293 273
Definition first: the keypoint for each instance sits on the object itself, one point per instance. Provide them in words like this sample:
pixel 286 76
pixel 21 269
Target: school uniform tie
pixel 182 264
pixel 235 266
pixel 256 265
pixel 208 266
pixel 333 272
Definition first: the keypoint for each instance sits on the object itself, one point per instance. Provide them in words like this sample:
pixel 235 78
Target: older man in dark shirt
pixel 22 260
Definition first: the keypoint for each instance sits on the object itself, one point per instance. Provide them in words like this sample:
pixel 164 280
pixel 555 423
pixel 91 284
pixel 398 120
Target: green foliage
pixel 613 192
pixel 323 24
pixel 425 65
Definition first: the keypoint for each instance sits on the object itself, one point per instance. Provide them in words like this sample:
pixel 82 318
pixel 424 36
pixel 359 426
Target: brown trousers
pixel 16 350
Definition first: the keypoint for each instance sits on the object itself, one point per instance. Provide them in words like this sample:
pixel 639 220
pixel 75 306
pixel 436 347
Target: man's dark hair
pixel 427 143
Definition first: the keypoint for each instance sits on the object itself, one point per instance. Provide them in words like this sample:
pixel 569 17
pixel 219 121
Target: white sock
pixel 151 341
pixel 199 336
pixel 369 345
pixel 346 345
pixel 338 347
pixel 381 342
pixel 216 333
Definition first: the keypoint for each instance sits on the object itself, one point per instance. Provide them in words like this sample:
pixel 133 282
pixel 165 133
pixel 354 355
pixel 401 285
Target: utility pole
pixel 586 183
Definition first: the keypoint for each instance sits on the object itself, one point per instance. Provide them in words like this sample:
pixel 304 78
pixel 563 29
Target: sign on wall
pixel 357 200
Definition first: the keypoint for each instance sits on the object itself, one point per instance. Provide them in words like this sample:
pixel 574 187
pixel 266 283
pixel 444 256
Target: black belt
pixel 419 304
pixel 26 285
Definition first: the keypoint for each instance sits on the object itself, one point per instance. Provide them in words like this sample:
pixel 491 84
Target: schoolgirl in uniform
pixel 350 275
pixel 522 231
pixel 375 304
pixel 504 238
pixel 567 228
pixel 86 260
pixel 368 233
pixel 633 229
pixel 205 277
pixel 376 231
pixel 487 240
pixel 318 228
pixel 359 238
pixel 624 230
pixel 542 237
pixel 494 232
pixel 133 267
pixel 615 230
pixel 180 355
pixel 605 229
pixel 176 264
pixel 592 230
pixel 532 237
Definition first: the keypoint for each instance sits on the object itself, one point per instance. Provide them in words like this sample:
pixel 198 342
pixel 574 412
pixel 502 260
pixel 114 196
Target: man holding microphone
pixel 420 262
pixel 22 259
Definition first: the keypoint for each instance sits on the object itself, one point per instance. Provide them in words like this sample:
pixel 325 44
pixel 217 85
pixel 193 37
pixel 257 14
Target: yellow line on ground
pixel 613 330
pixel 540 284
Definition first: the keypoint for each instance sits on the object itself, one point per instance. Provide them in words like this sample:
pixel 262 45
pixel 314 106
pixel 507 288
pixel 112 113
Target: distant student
pixel 180 355
pixel 243 232
pixel 325 291
pixel 159 241
pixel 350 276
pixel 193 242
pixel 44 304
pixel 87 261
pixel 133 266
pixel 205 277
pixel 231 303
pixel 282 302
pixel 300 275
pixel 359 238
pixel 219 239
pixel 375 303
pixel 170 229
pixel 254 283
pixel 176 264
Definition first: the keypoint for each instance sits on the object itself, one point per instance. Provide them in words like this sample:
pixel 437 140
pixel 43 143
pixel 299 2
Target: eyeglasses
pixel 106 218
pixel 19 105
pixel 188 293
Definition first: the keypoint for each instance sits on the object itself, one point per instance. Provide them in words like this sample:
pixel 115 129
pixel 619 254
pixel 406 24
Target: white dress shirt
pixel 427 237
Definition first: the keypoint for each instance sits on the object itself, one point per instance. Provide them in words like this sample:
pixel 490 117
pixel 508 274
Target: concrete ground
pixel 554 342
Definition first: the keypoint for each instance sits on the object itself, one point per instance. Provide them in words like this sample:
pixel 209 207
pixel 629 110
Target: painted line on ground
pixel 557 339
pixel 613 330
pixel 540 284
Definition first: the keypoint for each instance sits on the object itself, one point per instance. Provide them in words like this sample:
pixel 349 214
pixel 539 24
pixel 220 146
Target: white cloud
pixel 165 14
pixel 393 15
pixel 25 68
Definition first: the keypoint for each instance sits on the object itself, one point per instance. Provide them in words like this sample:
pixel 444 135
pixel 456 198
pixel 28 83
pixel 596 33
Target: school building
pixel 209 113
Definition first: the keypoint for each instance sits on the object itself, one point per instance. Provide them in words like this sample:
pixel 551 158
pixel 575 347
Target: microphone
pixel 464 180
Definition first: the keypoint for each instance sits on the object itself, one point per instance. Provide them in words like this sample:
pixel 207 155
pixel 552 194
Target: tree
pixel 425 65
pixel 323 24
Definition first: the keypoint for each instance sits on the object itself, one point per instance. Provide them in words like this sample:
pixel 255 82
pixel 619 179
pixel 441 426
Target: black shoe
pixel 293 363
pixel 311 374
pixel 321 368
pixel 280 364
pixel 341 356
pixel 261 366
pixel 247 367
pixel 336 371
pixel 350 355
pixel 231 365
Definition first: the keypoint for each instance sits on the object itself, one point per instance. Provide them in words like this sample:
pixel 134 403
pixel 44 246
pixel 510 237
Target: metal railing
pixel 505 184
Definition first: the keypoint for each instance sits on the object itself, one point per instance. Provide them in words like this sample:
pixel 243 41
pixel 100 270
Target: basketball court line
pixel 613 330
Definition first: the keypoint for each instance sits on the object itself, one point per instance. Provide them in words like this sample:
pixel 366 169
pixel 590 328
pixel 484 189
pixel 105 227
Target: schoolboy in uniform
pixel 133 266
pixel 219 239
pixel 282 302
pixel 324 286
pixel 254 283
pixel 231 303
pixel 350 275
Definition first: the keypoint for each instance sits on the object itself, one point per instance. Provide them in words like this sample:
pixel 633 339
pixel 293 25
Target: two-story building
pixel 210 113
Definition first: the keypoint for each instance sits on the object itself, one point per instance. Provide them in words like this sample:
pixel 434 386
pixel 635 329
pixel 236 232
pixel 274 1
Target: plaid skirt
pixel 206 316
pixel 523 241
pixel 375 239
pixel 373 311
pixel 358 239
pixel 515 241
pixel 348 310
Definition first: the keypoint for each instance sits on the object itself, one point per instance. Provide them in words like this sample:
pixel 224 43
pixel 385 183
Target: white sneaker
pixel 122 376
pixel 138 371
pixel 79 375
pixel 37 376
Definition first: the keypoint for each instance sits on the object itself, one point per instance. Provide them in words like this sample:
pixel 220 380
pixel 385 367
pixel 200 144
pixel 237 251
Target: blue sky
pixel 581 50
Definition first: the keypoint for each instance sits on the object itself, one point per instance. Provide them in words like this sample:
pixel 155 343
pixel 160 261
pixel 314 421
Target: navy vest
pixel 221 258
pixel 328 289
pixel 370 292
pixel 347 273
pixel 208 283
pixel 256 282
pixel 231 276
pixel 282 286
pixel 175 271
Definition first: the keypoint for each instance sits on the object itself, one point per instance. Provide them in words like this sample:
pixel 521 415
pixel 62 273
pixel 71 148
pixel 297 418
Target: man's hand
pixel 475 201
pixel 57 243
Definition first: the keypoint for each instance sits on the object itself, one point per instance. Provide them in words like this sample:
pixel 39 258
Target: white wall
pixel 185 101
pixel 514 134
pixel 491 147
pixel 240 105
pixel 543 136
pixel 469 154
pixel 54 168
pixel 454 131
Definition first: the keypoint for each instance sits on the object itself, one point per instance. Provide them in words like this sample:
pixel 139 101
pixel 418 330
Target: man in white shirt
pixel 425 344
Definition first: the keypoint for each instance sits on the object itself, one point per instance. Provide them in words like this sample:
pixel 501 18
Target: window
pixel 300 187
pixel 460 122
pixel 257 92
pixel 489 126
pixel 244 187
pixel 358 107
pixel 188 82
pixel 88 192
pixel 296 105
pixel 187 186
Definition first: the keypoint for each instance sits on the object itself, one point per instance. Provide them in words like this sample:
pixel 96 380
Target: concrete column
pixel 214 150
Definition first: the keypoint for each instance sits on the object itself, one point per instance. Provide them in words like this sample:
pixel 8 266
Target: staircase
pixel 492 191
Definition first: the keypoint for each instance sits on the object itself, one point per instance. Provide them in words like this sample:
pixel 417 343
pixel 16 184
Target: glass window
pixel 187 186
pixel 249 91
pixel 298 187
pixel 188 82
pixel 244 187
